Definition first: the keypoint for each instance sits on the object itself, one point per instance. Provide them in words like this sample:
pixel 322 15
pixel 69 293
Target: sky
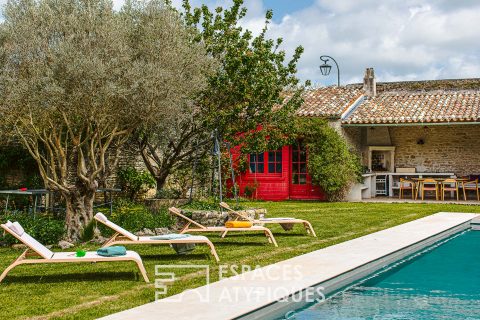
pixel 401 39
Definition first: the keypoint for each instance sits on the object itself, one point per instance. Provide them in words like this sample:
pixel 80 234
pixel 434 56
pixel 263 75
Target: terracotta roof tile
pixel 330 102
pixel 418 107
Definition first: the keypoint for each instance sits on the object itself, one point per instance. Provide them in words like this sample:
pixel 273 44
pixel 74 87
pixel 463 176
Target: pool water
pixel 443 283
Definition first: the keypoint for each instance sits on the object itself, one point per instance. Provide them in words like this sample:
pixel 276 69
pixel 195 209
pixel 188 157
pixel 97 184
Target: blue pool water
pixel 443 283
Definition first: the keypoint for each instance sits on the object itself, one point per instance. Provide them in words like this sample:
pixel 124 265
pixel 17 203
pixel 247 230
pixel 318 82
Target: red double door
pixel 301 187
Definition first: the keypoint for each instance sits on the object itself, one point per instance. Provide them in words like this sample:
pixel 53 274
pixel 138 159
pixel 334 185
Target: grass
pixel 88 291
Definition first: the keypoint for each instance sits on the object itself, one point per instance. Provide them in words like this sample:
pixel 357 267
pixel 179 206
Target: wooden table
pixel 391 175
pixel 438 181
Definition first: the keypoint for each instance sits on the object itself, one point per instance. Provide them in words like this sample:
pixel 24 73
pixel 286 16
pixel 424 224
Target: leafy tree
pixel 245 99
pixel 331 163
pixel 78 78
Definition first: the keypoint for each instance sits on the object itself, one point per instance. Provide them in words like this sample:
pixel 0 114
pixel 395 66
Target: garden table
pixel 39 193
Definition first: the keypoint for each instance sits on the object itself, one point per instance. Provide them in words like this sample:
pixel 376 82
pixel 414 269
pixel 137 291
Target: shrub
pixel 331 164
pixel 44 228
pixel 135 183
pixel 208 204
pixel 166 193
pixel 135 217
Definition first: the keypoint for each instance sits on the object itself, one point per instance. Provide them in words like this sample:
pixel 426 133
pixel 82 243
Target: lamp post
pixel 325 68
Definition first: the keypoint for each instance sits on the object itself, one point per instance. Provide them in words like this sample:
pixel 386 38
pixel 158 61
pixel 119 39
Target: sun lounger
pixel 223 230
pixel 43 255
pixel 125 237
pixel 305 223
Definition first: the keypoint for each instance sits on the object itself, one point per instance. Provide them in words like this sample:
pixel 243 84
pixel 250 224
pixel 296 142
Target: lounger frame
pixel 306 224
pixel 223 230
pixel 30 252
pixel 118 238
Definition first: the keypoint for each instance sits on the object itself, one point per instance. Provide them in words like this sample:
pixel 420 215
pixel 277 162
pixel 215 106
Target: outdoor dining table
pixel 437 180
pixel 38 194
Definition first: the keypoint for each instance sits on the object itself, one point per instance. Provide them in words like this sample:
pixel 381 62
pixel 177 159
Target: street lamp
pixel 325 68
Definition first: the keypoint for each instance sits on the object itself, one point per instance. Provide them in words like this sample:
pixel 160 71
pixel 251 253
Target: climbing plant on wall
pixel 331 163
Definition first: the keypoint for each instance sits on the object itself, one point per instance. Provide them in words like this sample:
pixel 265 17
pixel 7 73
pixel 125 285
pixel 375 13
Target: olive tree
pixel 77 78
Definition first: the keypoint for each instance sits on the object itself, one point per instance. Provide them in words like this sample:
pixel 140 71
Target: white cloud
pixel 402 40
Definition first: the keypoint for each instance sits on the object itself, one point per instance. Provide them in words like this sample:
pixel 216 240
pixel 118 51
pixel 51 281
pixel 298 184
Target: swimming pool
pixel 442 282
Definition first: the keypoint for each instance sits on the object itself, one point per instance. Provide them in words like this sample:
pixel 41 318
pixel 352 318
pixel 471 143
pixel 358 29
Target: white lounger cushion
pixel 186 239
pixel 28 240
pixel 17 228
pixel 102 218
pixel 92 255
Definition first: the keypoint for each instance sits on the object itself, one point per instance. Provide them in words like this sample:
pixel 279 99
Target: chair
pixel 470 185
pixel 429 184
pixel 201 228
pixel 43 255
pixel 125 237
pixel 407 185
pixel 307 225
pixel 449 185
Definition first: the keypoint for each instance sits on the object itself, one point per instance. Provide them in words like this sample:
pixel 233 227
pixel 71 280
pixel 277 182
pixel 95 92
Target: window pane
pixel 303 167
pixel 278 168
pixel 295 168
pixel 260 168
pixel 260 157
pixel 303 179
pixel 252 167
pixel 295 178
pixel 295 156
pixel 271 156
pixel 271 168
pixel 278 156
pixel 253 157
pixel 303 156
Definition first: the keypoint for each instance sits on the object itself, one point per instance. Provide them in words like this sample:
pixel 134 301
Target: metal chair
pixel 407 185
pixel 450 184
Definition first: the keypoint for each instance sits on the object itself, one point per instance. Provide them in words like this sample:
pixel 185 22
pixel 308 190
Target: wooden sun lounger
pixel 201 228
pixel 125 237
pixel 307 225
pixel 43 255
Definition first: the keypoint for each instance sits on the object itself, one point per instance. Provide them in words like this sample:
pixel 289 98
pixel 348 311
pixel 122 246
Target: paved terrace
pixel 314 268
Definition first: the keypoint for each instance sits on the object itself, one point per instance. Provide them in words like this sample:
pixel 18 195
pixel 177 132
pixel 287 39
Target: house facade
pixel 399 128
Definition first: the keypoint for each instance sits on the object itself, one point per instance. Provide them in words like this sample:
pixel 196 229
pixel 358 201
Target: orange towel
pixel 238 224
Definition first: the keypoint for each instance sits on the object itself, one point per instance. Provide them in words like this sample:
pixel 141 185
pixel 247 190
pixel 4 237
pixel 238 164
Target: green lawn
pixel 87 291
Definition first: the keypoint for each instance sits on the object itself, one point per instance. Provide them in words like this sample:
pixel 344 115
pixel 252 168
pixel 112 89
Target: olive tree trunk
pixel 79 212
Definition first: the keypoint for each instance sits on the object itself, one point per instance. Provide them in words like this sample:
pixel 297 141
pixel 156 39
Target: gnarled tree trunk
pixel 79 212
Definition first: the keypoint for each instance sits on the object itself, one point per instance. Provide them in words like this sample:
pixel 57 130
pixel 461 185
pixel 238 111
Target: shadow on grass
pixel 74 277
pixel 259 243
pixel 176 257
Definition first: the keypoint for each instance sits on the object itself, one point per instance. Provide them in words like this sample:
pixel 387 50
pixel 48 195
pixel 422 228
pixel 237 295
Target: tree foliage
pixel 245 99
pixel 331 163
pixel 78 78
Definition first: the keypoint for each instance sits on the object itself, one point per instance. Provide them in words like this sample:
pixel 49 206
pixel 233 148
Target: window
pixel 275 161
pixel 299 163
pixel 257 162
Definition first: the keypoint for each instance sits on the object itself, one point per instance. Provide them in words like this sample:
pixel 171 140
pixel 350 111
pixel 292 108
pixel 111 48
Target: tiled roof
pixel 330 102
pixel 418 107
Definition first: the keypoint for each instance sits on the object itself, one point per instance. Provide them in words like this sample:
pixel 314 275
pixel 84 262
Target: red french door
pixel 300 182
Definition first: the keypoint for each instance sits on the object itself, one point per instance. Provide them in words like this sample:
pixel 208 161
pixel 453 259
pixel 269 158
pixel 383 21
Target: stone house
pixel 412 129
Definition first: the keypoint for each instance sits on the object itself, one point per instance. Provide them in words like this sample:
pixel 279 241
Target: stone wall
pixel 353 135
pixel 453 148
pixel 215 218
